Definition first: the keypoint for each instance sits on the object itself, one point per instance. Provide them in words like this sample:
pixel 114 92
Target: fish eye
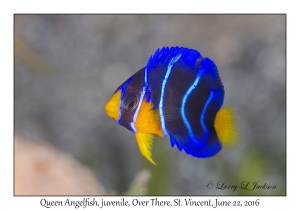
pixel 129 102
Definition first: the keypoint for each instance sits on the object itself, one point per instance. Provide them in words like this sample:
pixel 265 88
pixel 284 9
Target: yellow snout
pixel 112 107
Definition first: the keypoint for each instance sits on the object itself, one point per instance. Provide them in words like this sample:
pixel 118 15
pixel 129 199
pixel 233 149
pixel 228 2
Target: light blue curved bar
pixel 145 86
pixel 202 118
pixel 184 100
pixel 161 100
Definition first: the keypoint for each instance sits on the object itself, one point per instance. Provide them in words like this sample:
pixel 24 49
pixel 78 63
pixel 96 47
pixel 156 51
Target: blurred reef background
pixel 66 67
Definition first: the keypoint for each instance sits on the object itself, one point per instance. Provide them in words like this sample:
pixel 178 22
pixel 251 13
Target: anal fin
pixel 197 147
pixel 145 140
pixel 174 142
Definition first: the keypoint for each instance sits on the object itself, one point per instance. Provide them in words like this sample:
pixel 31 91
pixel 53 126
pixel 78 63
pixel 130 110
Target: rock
pixel 40 169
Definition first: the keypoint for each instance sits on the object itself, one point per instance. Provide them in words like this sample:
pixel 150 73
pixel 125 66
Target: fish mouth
pixel 111 113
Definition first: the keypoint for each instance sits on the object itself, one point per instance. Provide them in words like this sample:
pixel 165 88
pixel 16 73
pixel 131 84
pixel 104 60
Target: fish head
pixel 123 103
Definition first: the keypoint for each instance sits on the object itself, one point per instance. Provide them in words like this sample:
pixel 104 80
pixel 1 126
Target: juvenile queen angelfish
pixel 178 93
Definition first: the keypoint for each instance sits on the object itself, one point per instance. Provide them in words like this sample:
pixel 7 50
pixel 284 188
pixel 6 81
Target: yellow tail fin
pixel 227 126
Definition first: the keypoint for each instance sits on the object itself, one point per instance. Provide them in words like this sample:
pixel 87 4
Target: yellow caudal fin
pixel 144 141
pixel 227 126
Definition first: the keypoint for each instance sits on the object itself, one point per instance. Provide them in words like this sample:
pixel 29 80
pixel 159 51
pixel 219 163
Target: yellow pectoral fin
pixel 148 120
pixel 144 141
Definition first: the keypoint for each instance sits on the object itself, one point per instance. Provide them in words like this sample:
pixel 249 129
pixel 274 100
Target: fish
pixel 178 94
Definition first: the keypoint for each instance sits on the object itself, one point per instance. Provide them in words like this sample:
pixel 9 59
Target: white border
pixel 6 84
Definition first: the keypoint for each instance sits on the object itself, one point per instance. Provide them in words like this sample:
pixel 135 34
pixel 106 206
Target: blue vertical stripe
pixel 145 86
pixel 123 90
pixel 184 100
pixel 161 100
pixel 202 118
